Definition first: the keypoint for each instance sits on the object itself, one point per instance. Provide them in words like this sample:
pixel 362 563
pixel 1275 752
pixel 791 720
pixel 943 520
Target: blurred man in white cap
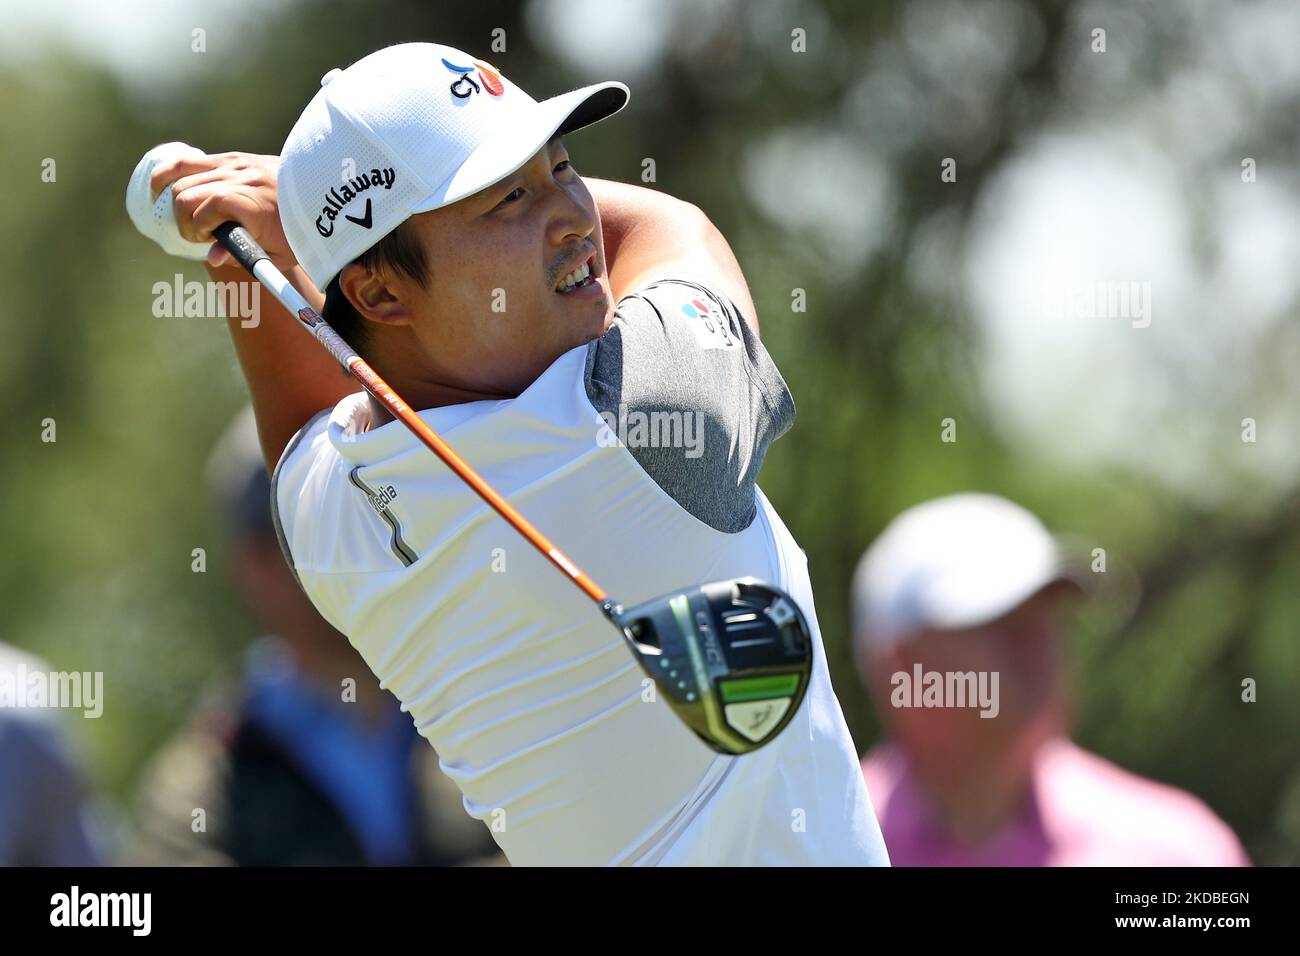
pixel 958 608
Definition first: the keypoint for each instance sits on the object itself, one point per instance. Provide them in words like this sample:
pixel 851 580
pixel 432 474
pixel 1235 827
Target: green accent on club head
pixel 759 688
pixel 681 608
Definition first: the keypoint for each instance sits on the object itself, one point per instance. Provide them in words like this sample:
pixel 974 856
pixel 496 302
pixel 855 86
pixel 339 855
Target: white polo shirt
pixel 521 685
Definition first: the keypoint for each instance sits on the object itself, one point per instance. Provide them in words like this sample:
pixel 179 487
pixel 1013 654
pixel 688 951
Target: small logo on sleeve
pixel 709 324
pixel 338 198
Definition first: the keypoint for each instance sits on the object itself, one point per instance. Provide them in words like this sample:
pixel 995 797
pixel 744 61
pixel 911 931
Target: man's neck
pixel 436 396
pixel 980 807
pixel 379 414
pixel 974 804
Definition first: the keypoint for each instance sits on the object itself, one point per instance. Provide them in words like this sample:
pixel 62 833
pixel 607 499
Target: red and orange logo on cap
pixel 464 86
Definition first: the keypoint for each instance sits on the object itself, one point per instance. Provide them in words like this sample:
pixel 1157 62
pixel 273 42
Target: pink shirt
pixel 1084 811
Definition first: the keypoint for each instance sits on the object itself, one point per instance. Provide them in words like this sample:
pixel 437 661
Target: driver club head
pixel 732 658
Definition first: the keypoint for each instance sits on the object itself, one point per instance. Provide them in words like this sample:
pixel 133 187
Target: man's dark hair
pixel 398 252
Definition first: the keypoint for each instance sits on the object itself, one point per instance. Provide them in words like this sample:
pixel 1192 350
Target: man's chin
pixel 588 320
pixel 597 325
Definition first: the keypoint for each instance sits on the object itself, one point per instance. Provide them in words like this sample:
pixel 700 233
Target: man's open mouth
pixel 582 276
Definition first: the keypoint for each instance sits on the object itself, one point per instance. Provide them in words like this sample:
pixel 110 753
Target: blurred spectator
pixel 296 766
pixel 43 797
pixel 974 585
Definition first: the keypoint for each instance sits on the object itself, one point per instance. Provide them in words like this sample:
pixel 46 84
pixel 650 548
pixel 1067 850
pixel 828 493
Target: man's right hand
pixel 290 377
pixel 212 189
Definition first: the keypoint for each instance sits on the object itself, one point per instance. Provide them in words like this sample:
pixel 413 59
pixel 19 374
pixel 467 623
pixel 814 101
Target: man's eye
pixel 514 195
pixel 563 165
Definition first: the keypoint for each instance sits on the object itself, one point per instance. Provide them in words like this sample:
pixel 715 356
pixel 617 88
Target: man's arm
pixel 662 353
pixel 290 377
pixel 649 233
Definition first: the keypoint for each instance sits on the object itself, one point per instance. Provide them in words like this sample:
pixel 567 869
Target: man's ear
pixel 372 296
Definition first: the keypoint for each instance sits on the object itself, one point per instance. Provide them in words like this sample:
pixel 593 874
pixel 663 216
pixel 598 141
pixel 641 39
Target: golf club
pixel 732 658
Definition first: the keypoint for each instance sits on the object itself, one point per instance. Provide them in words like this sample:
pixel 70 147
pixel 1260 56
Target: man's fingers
pixel 199 210
pixel 167 172
pixel 218 256
pixel 200 192
pixel 214 208
pixel 202 178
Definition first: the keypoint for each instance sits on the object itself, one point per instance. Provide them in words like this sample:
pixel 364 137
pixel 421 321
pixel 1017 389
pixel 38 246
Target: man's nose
pixel 571 219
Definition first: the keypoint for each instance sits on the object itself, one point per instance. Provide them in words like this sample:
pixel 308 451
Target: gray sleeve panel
pixel 693 395
pixel 275 490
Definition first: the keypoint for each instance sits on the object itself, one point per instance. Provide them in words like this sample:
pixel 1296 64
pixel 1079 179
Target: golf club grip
pixel 237 241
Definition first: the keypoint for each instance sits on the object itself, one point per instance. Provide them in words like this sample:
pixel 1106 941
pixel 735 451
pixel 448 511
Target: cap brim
pixel 966 603
pixel 979 612
pixel 500 155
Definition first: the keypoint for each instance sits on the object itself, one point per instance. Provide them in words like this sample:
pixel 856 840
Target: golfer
pixel 591 348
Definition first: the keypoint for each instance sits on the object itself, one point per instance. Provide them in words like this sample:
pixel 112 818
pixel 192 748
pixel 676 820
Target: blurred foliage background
pixel 824 170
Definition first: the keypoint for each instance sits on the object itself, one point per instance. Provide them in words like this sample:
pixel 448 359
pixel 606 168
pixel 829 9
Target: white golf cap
pixel 405 130
pixel 949 564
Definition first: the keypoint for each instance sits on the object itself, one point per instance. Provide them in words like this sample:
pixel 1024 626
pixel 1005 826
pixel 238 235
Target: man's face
pixel 1022 647
pixel 491 319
